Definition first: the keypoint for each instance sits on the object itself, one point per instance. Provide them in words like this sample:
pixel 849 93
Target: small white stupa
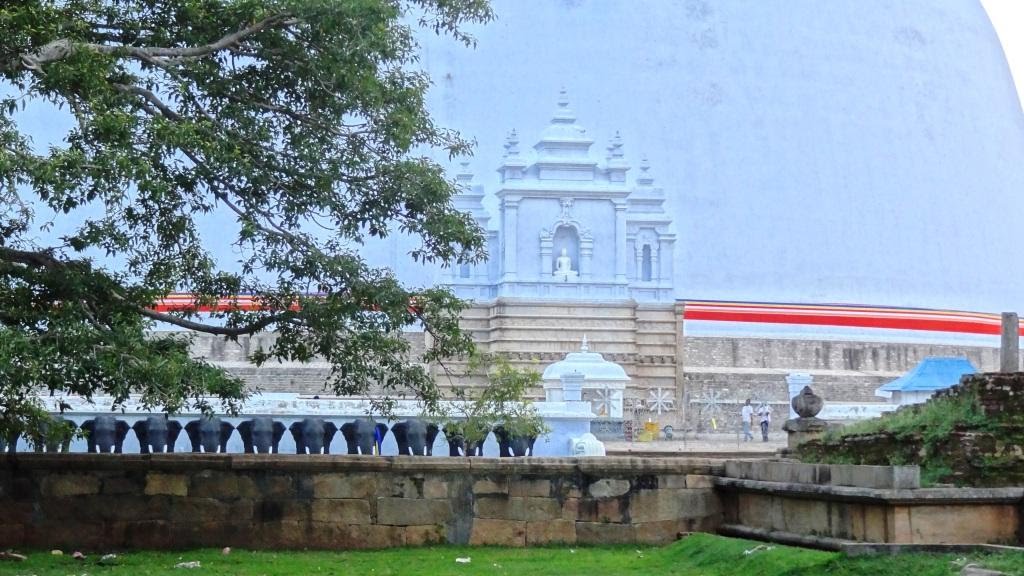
pixel 565 380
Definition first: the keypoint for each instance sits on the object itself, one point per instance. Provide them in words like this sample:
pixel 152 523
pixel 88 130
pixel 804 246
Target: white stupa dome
pixel 591 365
pixel 850 151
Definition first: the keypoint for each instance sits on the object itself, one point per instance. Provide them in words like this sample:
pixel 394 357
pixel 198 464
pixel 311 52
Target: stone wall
pixel 827 505
pixel 335 502
pixel 648 341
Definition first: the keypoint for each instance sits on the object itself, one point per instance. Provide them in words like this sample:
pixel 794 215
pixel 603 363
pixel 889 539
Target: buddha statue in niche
pixel 563 266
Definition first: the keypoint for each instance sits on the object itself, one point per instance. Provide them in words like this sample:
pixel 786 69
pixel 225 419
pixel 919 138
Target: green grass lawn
pixel 700 554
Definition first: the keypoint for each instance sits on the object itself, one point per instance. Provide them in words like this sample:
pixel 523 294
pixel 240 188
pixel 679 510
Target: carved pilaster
pixel 620 241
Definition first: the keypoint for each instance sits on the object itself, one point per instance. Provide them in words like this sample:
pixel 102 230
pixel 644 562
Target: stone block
pixel 604 533
pixel 801 516
pixel 608 488
pixel 500 507
pixel 493 532
pixel 121 485
pixel 488 486
pixel 344 485
pixel 659 532
pixel 289 511
pixel 570 509
pixel 550 532
pixel 530 487
pixel 433 488
pixel 203 510
pixel 425 535
pixel 223 484
pixel 64 485
pixel 412 512
pixel 672 481
pixel 653 505
pixel 536 509
pixel 275 486
pixel 699 481
pixel 169 484
pixel 341 511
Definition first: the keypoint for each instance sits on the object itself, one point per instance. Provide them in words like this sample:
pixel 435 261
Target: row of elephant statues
pixel 415 437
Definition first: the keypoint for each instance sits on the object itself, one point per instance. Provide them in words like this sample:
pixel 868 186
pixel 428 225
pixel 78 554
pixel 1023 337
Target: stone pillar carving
pixel 620 242
pixel 655 267
pixel 510 210
pixel 638 268
pixel 586 255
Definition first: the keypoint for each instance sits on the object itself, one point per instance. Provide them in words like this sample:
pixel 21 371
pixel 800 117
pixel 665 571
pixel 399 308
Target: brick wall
pixel 99 501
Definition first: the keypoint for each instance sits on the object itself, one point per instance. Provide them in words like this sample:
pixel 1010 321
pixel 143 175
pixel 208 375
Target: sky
pixel 1008 18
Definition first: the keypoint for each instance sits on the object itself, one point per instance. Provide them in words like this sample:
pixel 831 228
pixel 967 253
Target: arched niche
pixel 567 238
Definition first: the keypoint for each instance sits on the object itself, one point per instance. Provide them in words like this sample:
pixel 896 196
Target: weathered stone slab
pixel 604 533
pixel 355 485
pixel 169 484
pixel 488 486
pixel 412 512
pixel 550 532
pixel 495 532
pixel 500 507
pixel 351 511
pixel 425 535
pixel 64 485
pixel 608 488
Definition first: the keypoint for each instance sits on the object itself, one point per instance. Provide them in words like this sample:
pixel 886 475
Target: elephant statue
pixel 510 445
pixel 261 435
pixel 209 434
pixel 314 435
pixel 104 433
pixel 458 446
pixel 44 440
pixel 157 434
pixel 363 436
pixel 415 437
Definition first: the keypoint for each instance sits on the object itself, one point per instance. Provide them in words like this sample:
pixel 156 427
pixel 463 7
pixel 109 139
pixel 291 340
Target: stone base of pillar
pixel 801 430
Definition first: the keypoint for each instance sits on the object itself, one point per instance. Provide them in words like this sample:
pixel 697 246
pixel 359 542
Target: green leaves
pixel 291 123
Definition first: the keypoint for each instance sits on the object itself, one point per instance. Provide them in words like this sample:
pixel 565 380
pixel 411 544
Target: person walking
pixel 747 416
pixel 764 413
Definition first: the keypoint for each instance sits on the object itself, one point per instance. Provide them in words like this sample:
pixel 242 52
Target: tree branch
pixel 161 56
pixel 39 259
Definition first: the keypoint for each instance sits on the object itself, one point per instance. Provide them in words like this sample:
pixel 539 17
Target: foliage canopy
pixel 297 126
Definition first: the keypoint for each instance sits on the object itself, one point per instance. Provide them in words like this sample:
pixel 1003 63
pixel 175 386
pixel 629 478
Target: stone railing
pixel 835 506
pixel 116 501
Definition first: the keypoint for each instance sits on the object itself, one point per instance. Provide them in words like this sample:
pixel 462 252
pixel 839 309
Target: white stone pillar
pixel 586 257
pixel 545 256
pixel 620 242
pixel 510 210
pixel 796 382
pixel 572 387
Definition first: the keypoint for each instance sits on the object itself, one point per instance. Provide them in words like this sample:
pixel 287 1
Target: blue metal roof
pixel 933 373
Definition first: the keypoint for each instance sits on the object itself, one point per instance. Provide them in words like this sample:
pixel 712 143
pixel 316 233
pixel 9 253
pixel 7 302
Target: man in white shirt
pixel 747 416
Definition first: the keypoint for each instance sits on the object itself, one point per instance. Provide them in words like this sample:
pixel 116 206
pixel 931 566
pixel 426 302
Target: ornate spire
pixel 645 178
pixel 563 114
pixel 465 175
pixel 615 148
pixel 512 144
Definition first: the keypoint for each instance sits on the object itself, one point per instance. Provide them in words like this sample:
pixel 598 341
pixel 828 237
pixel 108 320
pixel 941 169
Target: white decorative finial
pixel 465 176
pixel 563 114
pixel 584 346
pixel 615 148
pixel 512 143
pixel 645 178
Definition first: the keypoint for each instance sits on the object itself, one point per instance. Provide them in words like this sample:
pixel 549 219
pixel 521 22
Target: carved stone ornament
pixel 807 404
